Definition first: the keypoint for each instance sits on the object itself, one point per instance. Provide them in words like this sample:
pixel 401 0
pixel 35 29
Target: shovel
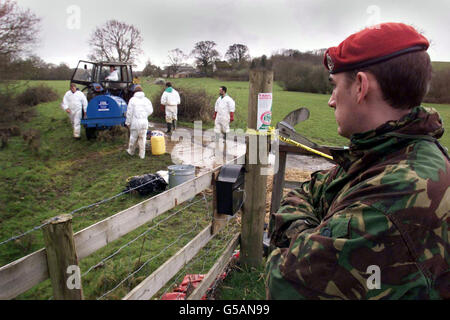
pixel 286 130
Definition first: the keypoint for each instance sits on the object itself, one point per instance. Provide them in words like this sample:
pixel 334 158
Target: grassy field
pixel 66 174
pixel 254 289
pixel 440 65
pixel 320 127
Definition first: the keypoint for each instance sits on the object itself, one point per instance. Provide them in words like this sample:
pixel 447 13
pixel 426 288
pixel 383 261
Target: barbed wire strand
pixel 206 252
pixel 217 280
pixel 180 273
pixel 73 212
pixel 202 256
pixel 111 198
pixel 183 271
pixel 21 235
pixel 208 217
pixel 226 232
pixel 25 233
pixel 148 261
pixel 138 237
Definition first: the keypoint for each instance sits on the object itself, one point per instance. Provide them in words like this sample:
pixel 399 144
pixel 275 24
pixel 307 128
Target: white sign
pixel 264 111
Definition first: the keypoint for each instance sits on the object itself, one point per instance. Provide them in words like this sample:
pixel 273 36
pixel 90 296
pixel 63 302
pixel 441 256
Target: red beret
pixel 373 45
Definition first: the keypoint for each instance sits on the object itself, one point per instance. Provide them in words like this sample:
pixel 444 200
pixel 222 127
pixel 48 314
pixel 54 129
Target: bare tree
pixel 237 53
pixel 176 60
pixel 116 41
pixel 205 55
pixel 18 32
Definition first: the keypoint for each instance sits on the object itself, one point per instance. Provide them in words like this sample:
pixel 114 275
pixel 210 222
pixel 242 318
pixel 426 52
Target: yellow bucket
pixel 158 145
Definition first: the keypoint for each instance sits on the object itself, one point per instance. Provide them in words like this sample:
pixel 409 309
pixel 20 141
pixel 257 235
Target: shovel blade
pixel 296 116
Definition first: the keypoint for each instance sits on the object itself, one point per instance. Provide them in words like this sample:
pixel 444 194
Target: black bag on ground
pixel 147 184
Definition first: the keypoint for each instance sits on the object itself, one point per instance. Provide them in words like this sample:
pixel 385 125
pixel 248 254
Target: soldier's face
pixel 343 102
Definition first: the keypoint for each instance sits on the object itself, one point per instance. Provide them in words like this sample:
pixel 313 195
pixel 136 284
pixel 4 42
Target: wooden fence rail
pixel 153 283
pixel 216 269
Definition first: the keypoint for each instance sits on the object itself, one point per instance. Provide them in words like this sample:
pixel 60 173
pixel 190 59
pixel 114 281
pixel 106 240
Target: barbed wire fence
pixel 72 213
pixel 143 234
pixel 198 264
pixel 150 260
pixel 217 247
pixel 192 230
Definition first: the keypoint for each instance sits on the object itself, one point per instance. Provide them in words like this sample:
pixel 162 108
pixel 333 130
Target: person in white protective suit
pixel 113 74
pixel 223 115
pixel 170 99
pixel 138 111
pixel 73 103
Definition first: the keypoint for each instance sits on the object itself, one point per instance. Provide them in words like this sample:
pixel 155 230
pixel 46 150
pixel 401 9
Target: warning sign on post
pixel 264 111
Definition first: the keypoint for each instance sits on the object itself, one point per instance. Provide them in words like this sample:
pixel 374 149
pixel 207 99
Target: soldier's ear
pixel 362 83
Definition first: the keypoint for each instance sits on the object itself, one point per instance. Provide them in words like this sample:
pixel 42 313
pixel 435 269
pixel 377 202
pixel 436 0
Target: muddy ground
pixel 201 153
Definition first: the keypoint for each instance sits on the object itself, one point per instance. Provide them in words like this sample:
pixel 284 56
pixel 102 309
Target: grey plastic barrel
pixel 180 173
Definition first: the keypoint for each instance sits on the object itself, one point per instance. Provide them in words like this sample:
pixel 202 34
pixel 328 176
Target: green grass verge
pixel 440 65
pixel 233 289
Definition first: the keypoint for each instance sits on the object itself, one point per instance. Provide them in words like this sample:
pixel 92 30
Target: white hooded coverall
pixel 75 102
pixel 113 76
pixel 138 110
pixel 171 100
pixel 224 105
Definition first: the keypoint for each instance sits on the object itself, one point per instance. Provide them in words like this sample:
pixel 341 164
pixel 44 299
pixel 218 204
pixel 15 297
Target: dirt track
pixel 201 154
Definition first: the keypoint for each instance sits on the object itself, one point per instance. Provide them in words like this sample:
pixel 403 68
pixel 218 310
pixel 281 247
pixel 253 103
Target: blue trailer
pixel 104 112
pixel 107 96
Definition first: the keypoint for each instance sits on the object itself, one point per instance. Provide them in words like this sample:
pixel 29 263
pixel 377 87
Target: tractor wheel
pixel 91 133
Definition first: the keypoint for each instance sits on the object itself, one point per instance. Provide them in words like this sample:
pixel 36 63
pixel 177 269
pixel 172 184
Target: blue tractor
pixel 109 85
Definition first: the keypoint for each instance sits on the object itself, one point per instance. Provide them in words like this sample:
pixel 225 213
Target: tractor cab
pixel 99 78
pixel 109 87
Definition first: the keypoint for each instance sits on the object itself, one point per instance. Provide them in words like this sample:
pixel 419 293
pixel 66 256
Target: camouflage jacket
pixel 373 227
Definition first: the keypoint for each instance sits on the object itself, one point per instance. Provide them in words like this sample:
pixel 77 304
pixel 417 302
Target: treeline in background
pixel 293 70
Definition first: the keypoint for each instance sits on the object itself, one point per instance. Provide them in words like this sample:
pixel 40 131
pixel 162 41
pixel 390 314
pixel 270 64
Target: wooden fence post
pixel 261 81
pixel 61 254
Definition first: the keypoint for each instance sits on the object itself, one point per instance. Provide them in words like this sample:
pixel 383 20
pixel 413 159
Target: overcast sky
pixel 265 26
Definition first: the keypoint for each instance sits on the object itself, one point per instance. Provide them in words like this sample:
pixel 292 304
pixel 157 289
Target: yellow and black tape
pixel 271 132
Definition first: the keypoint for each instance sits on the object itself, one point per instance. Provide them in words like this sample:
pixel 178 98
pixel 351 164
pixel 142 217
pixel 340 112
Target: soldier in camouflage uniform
pixel 385 206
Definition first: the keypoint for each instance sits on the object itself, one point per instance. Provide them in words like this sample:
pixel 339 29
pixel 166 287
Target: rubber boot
pixel 169 127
